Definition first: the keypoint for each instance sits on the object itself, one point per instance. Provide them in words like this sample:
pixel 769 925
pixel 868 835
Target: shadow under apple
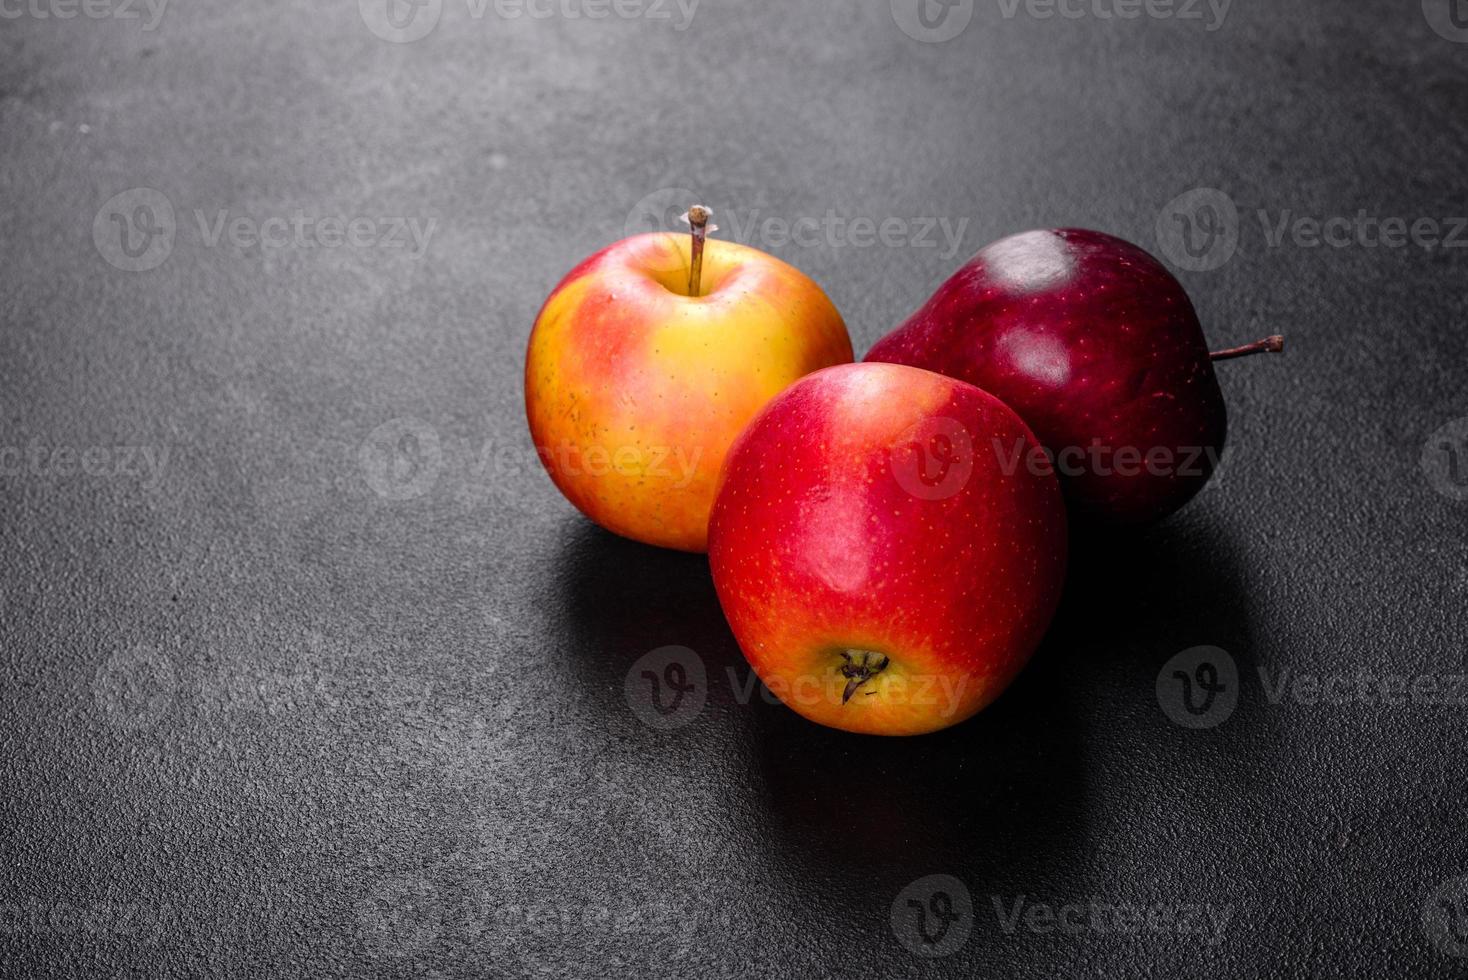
pixel 1009 801
pixel 1006 801
pixel 618 600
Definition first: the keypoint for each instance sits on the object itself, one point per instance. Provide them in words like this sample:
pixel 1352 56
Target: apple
pixel 882 569
pixel 1096 345
pixel 650 357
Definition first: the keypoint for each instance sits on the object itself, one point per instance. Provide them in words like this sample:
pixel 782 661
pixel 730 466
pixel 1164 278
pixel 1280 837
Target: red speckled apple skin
pixel 875 508
pixel 1095 344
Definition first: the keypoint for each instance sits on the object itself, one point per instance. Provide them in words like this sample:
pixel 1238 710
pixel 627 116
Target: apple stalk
pixel 698 219
pixel 1270 345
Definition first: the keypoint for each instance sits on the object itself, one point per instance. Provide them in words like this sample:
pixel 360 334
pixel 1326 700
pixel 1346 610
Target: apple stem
pixel 859 667
pixel 698 219
pixel 1272 345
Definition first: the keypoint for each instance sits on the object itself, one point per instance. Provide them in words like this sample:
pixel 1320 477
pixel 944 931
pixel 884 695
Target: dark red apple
pixel 882 570
pixel 1096 345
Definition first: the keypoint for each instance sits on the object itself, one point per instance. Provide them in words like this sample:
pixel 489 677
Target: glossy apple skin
pixel 634 390
pixel 1095 344
pixel 836 528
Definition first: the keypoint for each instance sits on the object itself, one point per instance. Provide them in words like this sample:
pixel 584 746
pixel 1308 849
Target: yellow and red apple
pixel 886 560
pixel 635 388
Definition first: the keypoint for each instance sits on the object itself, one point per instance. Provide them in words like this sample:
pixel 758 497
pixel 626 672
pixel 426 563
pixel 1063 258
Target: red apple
pixel 882 568
pixel 1096 345
pixel 650 357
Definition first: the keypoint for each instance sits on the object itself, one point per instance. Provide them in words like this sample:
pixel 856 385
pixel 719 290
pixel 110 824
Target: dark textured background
pixel 258 718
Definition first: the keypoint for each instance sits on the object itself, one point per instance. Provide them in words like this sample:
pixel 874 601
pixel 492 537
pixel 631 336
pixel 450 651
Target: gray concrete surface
pixel 278 701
